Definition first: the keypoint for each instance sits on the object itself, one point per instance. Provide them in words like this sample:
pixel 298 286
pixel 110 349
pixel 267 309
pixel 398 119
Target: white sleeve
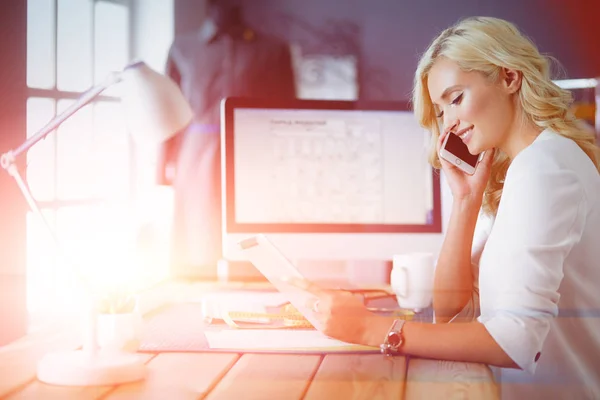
pixel 541 217
pixel 482 230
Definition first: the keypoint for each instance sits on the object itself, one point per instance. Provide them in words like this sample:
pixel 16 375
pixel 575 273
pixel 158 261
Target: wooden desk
pixel 254 376
pixel 263 376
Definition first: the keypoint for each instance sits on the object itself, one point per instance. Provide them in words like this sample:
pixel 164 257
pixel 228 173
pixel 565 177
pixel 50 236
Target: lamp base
pixel 78 368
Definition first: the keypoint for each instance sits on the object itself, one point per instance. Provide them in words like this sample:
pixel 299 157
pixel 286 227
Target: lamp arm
pixel 33 205
pixel 14 172
pixel 10 157
pixel 7 161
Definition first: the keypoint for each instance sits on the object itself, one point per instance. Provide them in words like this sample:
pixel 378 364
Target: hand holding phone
pixel 461 176
pixel 456 152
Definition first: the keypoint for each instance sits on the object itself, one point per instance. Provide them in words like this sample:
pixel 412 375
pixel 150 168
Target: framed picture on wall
pixel 325 76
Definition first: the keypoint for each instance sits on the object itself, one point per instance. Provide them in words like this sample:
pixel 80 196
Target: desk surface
pixel 254 376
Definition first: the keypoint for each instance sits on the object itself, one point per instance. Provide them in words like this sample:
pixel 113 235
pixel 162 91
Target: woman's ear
pixel 511 79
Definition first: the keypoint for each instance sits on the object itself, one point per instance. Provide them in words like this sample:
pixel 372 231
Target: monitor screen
pixel 337 167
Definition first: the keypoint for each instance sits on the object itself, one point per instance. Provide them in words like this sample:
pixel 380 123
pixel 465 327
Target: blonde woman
pixel 531 275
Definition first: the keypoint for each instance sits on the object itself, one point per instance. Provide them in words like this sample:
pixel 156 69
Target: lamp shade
pixel 155 108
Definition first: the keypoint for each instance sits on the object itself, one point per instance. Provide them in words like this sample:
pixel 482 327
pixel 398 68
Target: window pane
pixel 40 158
pixel 41 264
pixel 111 157
pixel 41 31
pixel 111 41
pixel 74 147
pixel 74 44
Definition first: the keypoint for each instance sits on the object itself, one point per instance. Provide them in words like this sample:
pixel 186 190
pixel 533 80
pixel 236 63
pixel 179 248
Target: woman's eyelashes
pixel 456 101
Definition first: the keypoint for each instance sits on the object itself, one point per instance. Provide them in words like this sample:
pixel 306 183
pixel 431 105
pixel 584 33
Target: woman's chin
pixel 473 148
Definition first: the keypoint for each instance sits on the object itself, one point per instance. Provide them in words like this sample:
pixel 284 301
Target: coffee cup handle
pixel 404 291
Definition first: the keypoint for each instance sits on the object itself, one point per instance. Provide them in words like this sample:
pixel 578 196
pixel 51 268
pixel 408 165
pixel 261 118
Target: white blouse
pixel 539 272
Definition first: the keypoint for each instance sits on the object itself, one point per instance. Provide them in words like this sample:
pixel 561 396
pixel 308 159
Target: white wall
pixel 153 24
pixel 153 31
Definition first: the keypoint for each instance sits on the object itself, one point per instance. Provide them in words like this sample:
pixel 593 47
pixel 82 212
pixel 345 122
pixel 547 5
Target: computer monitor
pixel 328 180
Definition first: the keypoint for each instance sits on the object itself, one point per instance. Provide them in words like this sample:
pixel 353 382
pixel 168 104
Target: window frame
pixel 57 203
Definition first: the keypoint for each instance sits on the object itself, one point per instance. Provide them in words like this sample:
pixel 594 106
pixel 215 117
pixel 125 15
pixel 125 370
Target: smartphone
pixel 455 151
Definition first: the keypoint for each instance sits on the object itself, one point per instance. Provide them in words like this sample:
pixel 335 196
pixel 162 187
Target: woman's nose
pixel 451 125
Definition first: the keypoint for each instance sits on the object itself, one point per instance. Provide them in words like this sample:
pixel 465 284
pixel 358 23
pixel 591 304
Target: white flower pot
pixel 119 332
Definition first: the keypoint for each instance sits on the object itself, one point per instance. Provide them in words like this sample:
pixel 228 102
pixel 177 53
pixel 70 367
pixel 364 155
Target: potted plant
pixel 119 322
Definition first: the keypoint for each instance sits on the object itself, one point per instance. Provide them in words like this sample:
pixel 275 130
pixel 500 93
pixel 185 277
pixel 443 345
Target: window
pixel 84 175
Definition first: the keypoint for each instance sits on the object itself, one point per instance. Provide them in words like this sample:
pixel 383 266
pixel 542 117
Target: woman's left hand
pixel 341 314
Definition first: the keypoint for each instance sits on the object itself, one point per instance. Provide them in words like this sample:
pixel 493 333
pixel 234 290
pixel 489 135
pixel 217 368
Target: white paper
pixel 271 262
pixel 270 339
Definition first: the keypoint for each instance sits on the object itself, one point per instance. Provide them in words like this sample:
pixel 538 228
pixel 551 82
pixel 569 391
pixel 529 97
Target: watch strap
pixel 393 339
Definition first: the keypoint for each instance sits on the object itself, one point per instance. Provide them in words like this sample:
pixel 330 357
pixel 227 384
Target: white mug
pixel 412 280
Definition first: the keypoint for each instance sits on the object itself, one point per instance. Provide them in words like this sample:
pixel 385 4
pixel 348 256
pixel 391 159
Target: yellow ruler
pixel 288 318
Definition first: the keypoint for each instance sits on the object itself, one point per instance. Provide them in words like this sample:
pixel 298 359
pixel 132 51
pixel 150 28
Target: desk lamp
pixel 155 110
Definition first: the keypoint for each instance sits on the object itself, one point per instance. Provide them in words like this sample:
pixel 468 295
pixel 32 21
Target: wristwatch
pixel 393 339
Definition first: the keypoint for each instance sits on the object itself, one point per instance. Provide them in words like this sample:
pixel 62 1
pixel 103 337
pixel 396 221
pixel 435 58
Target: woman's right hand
pixel 463 185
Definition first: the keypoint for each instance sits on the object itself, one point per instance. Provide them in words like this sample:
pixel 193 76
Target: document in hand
pixel 271 262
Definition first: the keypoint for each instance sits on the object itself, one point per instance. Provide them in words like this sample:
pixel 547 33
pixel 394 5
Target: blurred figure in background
pixel 224 58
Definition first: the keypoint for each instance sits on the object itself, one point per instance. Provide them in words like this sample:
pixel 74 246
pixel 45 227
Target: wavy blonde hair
pixel 487 45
